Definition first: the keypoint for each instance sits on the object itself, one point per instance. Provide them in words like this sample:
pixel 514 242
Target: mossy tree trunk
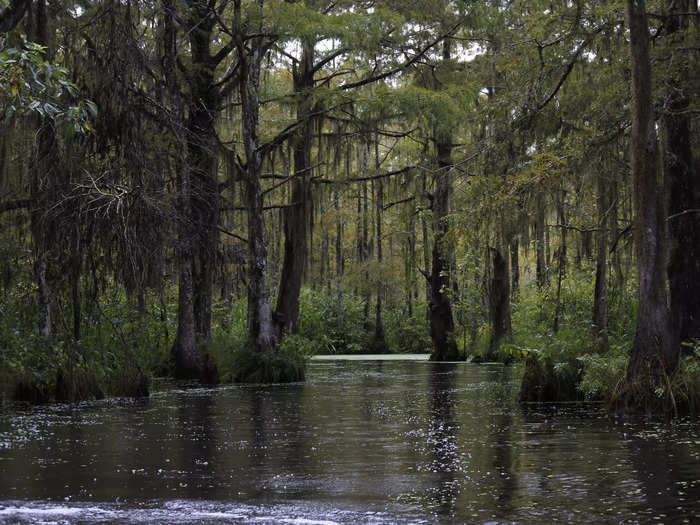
pixel 44 183
pixel 654 355
pixel 600 301
pixel 681 174
pixel 441 319
pixel 499 301
pixel 296 216
pixel 379 339
pixel 184 352
pixel 263 334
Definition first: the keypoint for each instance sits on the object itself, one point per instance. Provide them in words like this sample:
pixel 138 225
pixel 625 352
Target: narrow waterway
pixel 362 441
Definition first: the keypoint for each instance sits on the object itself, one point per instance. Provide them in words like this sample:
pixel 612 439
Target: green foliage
pixel 567 365
pixel 121 348
pixel 685 383
pixel 285 365
pixel 468 306
pixel 30 84
pixel 407 334
pixel 603 374
pixel 333 324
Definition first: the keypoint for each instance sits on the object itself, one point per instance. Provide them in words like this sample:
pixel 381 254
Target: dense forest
pixel 217 189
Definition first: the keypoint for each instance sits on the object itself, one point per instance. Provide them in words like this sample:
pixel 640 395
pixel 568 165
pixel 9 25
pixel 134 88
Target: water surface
pixel 362 441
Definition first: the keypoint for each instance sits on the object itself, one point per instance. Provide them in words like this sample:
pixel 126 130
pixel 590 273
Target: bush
pixel 286 365
pixel 567 364
pixel 333 324
pixel 116 355
pixel 407 334
pixel 685 383
pixel 602 375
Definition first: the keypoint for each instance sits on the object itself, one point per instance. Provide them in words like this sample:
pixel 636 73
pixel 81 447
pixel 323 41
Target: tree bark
pixel 514 267
pixel 540 264
pixel 681 174
pixel 561 259
pixel 296 216
pixel 441 319
pixel 186 359
pixel 13 14
pixel 204 106
pixel 600 302
pixel 654 355
pixel 44 186
pixel 426 251
pixel 499 302
pixel 262 330
pixel 379 340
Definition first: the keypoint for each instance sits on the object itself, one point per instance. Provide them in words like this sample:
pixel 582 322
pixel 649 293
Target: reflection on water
pixel 359 442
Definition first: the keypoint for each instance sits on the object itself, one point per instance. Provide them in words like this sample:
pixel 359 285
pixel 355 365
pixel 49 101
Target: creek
pixel 361 441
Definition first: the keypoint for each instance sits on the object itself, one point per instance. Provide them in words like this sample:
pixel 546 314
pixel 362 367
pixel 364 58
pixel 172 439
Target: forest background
pixel 217 189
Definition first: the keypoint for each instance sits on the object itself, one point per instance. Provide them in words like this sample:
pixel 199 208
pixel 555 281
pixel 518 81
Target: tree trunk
pixel 426 251
pixel 76 263
pixel 499 302
pixel 654 355
pixel 379 341
pixel 364 243
pixel 541 268
pixel 561 270
pixel 441 320
pixel 514 266
pixel 43 184
pixel 262 330
pixel 186 360
pixel 204 103
pixel 684 188
pixel 296 216
pixel 600 301
pixel 411 264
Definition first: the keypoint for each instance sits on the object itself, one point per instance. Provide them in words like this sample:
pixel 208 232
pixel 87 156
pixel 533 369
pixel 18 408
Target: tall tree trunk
pixel 540 264
pixel 681 174
pixel 364 245
pixel 654 355
pixel 499 301
pixel 204 105
pixel 561 270
pixel 411 264
pixel 297 215
pixel 76 264
pixel 43 185
pixel 441 320
pixel 339 260
pixel 426 251
pixel 184 352
pixel 514 267
pixel 262 330
pixel 379 341
pixel 600 301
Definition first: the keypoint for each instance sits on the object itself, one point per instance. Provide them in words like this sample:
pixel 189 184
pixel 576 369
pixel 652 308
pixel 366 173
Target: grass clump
pixel 239 362
pixel 284 365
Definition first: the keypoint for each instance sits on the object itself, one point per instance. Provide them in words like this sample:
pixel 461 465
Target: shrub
pixel 286 365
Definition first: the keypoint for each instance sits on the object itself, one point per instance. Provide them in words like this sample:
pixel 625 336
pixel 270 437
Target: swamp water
pixel 362 441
